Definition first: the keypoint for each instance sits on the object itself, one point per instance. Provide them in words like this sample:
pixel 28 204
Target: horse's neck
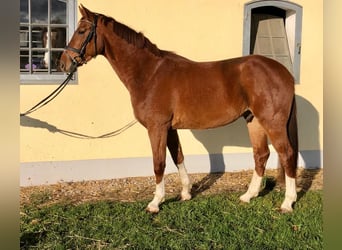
pixel 134 66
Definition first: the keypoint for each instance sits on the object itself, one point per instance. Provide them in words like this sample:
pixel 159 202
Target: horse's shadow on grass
pixel 305 181
pixel 236 134
pixel 205 183
pixel 269 183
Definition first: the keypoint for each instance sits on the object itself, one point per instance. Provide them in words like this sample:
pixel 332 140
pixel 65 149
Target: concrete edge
pixel 52 172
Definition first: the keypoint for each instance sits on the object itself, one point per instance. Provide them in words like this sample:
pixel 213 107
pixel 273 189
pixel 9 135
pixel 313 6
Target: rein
pixel 53 95
pixel 75 63
pixel 50 97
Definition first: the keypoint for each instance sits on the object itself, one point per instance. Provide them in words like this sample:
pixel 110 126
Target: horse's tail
pixel 292 133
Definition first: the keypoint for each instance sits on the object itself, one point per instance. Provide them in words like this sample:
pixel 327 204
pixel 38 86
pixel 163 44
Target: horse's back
pixel 233 79
pixel 266 70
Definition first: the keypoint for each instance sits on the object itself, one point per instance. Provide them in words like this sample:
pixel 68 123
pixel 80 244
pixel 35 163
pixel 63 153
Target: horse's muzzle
pixel 62 64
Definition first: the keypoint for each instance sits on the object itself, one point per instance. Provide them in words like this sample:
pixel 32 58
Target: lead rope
pixel 50 97
pixel 107 135
pixel 54 94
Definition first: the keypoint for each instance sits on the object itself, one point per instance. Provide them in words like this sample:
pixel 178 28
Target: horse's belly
pixel 203 119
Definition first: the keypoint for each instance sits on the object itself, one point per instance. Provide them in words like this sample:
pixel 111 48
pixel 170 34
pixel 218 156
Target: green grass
pixel 206 222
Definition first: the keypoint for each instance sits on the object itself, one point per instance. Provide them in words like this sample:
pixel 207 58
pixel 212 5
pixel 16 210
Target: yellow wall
pixel 198 29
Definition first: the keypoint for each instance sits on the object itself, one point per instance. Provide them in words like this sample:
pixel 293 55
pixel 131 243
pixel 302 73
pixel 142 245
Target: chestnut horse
pixel 170 92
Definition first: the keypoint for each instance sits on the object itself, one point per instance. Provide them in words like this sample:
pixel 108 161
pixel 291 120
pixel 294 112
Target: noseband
pixel 81 51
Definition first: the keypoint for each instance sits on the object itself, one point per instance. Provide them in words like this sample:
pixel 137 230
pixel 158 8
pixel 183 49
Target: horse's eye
pixel 81 32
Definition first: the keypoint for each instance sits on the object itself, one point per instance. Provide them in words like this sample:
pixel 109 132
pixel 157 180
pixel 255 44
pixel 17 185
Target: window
pixel 45 28
pixel 273 29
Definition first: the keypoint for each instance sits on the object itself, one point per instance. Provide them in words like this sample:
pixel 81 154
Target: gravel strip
pixel 142 188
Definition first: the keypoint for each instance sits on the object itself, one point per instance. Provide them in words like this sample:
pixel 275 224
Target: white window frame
pixel 53 77
pixel 293 26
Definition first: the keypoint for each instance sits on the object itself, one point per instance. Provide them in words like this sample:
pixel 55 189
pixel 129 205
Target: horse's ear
pixel 84 11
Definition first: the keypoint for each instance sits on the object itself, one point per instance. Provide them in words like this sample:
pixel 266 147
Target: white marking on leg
pixel 159 196
pixel 290 194
pixel 253 189
pixel 186 185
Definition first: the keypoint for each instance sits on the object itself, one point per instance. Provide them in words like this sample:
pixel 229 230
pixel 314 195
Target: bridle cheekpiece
pixel 79 59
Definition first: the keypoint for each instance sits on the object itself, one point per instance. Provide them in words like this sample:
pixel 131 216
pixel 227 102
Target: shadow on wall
pixel 215 140
pixel 27 121
pixel 236 134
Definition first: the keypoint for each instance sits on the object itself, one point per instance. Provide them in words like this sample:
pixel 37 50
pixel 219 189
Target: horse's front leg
pixel 158 139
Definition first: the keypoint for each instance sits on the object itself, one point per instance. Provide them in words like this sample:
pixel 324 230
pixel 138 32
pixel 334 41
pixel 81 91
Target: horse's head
pixel 83 45
pixel 56 39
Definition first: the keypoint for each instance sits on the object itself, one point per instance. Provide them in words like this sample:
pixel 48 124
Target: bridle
pixel 80 59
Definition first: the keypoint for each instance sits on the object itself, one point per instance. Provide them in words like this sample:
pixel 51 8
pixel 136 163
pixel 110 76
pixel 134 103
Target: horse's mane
pixel 132 37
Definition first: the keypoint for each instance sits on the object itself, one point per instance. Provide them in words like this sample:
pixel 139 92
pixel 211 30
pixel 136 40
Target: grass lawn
pixel 206 222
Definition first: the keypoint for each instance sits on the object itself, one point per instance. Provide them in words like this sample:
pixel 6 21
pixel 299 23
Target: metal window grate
pixel 45 27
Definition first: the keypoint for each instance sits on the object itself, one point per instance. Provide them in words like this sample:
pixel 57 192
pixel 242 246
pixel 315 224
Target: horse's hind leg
pixel 177 156
pixel 287 158
pixel 261 153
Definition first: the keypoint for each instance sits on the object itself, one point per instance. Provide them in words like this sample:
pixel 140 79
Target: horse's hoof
pixel 286 206
pixel 185 197
pixel 286 210
pixel 152 209
pixel 245 198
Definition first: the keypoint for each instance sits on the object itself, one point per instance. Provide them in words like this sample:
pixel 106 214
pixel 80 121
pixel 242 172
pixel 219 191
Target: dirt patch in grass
pixel 142 188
